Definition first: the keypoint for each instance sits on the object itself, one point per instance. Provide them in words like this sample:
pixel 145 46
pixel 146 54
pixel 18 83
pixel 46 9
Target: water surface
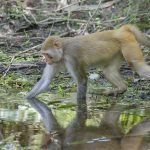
pixel 107 125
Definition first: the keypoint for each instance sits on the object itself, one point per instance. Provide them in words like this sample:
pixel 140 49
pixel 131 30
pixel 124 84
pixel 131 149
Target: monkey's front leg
pixel 43 83
pixel 48 119
pixel 79 75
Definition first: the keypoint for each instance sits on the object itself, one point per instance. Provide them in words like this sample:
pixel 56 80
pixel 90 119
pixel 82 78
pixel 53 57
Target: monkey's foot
pixel 113 92
pixel 107 92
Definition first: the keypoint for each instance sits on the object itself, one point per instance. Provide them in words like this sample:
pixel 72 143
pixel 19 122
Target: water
pixel 107 125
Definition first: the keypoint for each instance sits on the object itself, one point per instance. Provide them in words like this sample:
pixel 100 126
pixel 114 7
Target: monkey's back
pixel 95 48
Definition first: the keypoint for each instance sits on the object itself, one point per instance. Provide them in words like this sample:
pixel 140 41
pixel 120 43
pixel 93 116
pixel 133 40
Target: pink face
pixel 52 51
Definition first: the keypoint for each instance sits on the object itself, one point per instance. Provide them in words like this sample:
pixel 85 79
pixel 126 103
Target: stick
pixel 88 22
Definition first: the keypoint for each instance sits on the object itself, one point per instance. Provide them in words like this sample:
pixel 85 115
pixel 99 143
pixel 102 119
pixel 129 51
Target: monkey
pixel 106 49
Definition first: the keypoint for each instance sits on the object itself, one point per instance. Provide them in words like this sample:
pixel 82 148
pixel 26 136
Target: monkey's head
pixel 52 50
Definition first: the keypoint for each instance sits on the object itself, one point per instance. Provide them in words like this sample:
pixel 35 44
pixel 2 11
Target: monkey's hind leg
pixel 112 74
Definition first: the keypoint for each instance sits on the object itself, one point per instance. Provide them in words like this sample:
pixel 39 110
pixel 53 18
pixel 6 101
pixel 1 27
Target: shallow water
pixel 107 125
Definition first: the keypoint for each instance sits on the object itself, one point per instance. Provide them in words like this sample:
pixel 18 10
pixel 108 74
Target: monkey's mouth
pixel 47 58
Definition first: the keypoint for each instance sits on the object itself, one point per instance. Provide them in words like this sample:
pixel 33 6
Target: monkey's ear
pixel 57 44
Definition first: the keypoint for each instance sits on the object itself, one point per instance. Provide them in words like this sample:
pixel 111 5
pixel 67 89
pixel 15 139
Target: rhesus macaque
pixel 107 49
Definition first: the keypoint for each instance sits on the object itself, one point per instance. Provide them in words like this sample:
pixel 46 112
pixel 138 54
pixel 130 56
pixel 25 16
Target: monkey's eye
pixel 50 57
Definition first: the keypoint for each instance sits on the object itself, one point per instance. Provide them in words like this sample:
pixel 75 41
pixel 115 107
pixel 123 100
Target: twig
pixel 27 20
pixel 69 5
pixel 13 57
pixel 22 65
pixel 57 20
pixel 50 31
pixel 72 8
pixel 88 22
pixel 33 17
pixel 12 37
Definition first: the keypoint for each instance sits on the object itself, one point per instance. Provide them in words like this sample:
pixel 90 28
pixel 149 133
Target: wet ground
pixel 107 125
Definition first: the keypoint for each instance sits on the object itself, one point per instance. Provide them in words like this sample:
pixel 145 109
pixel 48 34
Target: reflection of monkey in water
pixel 106 49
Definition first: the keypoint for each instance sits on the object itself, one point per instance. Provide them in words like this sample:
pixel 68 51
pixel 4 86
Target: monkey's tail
pixel 134 57
pixel 140 37
pixel 133 54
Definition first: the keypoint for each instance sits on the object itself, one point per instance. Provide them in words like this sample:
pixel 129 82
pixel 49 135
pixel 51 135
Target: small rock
pixel 93 76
